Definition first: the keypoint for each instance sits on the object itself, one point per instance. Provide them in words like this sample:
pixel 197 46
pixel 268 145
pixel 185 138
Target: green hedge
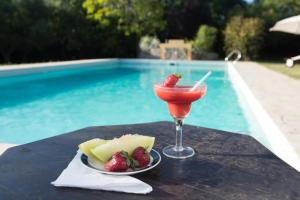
pixel 205 39
pixel 244 34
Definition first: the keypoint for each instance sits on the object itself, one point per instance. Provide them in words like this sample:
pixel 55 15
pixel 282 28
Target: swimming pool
pixel 36 104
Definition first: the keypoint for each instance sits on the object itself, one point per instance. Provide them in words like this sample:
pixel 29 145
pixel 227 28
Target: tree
pixel 277 45
pixel 272 11
pixel 222 10
pixel 22 30
pixel 184 17
pixel 205 39
pixel 43 30
pixel 244 34
pixel 11 29
pixel 130 16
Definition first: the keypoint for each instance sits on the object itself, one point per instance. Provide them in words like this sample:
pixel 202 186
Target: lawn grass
pixel 293 72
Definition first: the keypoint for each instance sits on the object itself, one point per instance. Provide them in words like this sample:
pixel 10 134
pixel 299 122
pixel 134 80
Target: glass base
pixel 172 152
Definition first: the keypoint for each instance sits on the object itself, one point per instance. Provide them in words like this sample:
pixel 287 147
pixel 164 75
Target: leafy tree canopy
pixel 43 30
pixel 205 39
pixel 130 16
pixel 222 10
pixel 244 34
pixel 271 11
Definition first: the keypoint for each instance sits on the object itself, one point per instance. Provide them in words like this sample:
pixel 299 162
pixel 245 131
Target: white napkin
pixel 77 175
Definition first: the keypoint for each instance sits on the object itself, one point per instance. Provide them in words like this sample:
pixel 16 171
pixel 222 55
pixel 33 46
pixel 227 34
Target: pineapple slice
pixel 86 147
pixel 125 143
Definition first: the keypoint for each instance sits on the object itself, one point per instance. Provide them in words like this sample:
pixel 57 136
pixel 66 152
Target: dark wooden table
pixel 225 166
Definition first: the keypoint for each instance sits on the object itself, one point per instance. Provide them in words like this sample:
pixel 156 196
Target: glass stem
pixel 178 127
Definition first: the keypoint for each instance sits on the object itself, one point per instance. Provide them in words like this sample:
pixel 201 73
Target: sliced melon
pixel 145 141
pixel 125 143
pixel 86 147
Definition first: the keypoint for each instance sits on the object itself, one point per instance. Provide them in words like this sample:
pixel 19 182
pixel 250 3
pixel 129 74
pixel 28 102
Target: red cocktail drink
pixel 179 98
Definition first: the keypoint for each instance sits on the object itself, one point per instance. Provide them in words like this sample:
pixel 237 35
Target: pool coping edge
pixel 271 130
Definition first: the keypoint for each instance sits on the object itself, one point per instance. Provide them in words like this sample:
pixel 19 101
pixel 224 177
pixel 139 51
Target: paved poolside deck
pixel 279 95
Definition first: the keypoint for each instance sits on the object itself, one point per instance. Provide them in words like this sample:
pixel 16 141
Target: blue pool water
pixel 44 104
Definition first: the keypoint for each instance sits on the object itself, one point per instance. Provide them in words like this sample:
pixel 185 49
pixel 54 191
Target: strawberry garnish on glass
pixel 171 80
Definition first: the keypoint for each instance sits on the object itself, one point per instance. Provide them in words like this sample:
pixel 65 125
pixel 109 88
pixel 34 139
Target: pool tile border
pixel 15 70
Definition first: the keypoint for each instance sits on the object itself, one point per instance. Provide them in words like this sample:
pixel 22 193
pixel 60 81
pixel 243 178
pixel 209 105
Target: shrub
pixel 244 34
pixel 205 39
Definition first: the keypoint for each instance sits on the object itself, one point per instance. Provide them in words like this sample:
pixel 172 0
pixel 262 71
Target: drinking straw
pixel 198 83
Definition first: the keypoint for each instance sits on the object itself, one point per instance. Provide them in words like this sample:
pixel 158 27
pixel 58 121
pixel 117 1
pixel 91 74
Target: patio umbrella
pixel 289 25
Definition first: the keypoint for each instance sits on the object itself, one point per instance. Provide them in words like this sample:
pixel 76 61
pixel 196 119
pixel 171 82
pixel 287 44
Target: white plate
pixel 155 159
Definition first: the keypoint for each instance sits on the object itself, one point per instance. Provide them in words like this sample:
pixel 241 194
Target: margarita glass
pixel 179 99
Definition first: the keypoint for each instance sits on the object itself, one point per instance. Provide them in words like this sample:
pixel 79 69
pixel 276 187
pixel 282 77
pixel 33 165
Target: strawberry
pixel 171 80
pixel 118 163
pixel 141 156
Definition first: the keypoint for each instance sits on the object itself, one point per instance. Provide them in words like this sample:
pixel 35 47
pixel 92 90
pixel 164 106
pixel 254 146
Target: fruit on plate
pixel 121 161
pixel 86 147
pixel 171 80
pixel 141 157
pixel 118 163
pixel 126 143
